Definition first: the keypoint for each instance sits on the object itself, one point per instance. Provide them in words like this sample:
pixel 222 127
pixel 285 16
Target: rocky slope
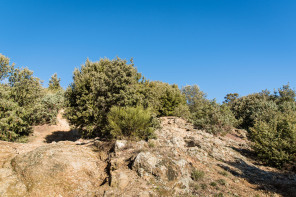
pixel 182 161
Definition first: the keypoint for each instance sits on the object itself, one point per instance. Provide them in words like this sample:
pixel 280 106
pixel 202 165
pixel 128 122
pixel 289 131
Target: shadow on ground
pixel 283 183
pixel 57 136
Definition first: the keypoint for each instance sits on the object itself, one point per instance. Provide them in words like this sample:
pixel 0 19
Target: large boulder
pixel 60 169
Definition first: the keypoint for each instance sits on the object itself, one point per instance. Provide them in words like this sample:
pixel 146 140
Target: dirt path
pixel 40 133
pixel 45 134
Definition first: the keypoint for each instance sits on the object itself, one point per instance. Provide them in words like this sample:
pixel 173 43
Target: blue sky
pixel 224 46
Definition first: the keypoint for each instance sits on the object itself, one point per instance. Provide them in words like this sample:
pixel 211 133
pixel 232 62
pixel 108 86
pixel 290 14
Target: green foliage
pixel 231 97
pixel 224 173
pixel 207 114
pixel 4 67
pixel 163 99
pixel 54 83
pixel 134 122
pixel 263 105
pixel 46 110
pixel 251 107
pixel 26 89
pixel 98 86
pixel 219 195
pixel 204 186
pixel 221 181
pixel 182 111
pixel 271 122
pixel 285 94
pixel 23 102
pixel 13 118
pixel 197 175
pixel 275 139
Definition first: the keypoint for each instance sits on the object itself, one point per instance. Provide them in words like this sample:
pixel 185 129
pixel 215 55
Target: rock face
pixel 182 161
pixel 60 169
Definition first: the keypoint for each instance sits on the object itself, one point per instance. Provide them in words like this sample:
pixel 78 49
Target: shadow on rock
pixel 57 136
pixel 281 183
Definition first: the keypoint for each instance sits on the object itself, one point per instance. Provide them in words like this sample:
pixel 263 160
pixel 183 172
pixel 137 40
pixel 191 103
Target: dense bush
pixel 13 118
pixel 26 89
pixel 163 99
pixel 47 108
pixel 98 86
pixel 271 122
pixel 207 114
pixel 275 139
pixel 135 122
pixel 54 83
pixel 5 68
pixel 262 106
pixel 250 108
pixel 23 101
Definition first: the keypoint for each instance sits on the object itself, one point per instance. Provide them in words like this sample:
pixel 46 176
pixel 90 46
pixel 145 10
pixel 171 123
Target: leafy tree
pixel 25 88
pixel 4 67
pixel 54 83
pixel 98 86
pixel 23 102
pixel 262 105
pixel 231 97
pixel 285 94
pixel 251 107
pixel 270 120
pixel 207 114
pixel 13 118
pixel 163 99
pixel 275 139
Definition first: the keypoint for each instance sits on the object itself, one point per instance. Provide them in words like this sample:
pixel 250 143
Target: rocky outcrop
pixel 181 161
pixel 60 169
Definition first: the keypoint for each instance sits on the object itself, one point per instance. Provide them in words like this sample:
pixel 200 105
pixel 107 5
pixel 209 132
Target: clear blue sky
pixel 223 46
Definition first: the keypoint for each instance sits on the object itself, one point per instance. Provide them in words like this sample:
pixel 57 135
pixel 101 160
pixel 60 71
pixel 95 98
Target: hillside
pixel 182 161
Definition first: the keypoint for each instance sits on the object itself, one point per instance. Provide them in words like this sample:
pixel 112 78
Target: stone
pixel 120 179
pixel 59 169
pixel 120 144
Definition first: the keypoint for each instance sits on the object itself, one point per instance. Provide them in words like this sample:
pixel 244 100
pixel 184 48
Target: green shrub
pixel 13 118
pixel 231 97
pixel 5 68
pixel 134 122
pixel 41 105
pixel 252 107
pixel 262 106
pixel 197 175
pixel 26 89
pixel 54 83
pixel 206 114
pixel 23 102
pixel 271 122
pixel 275 139
pixel 204 186
pixel 163 99
pixel 224 173
pixel 46 110
pixel 98 86
pixel 219 195
pixel 221 181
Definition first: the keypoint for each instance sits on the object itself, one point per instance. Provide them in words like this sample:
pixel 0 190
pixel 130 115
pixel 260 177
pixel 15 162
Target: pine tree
pixel 54 83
